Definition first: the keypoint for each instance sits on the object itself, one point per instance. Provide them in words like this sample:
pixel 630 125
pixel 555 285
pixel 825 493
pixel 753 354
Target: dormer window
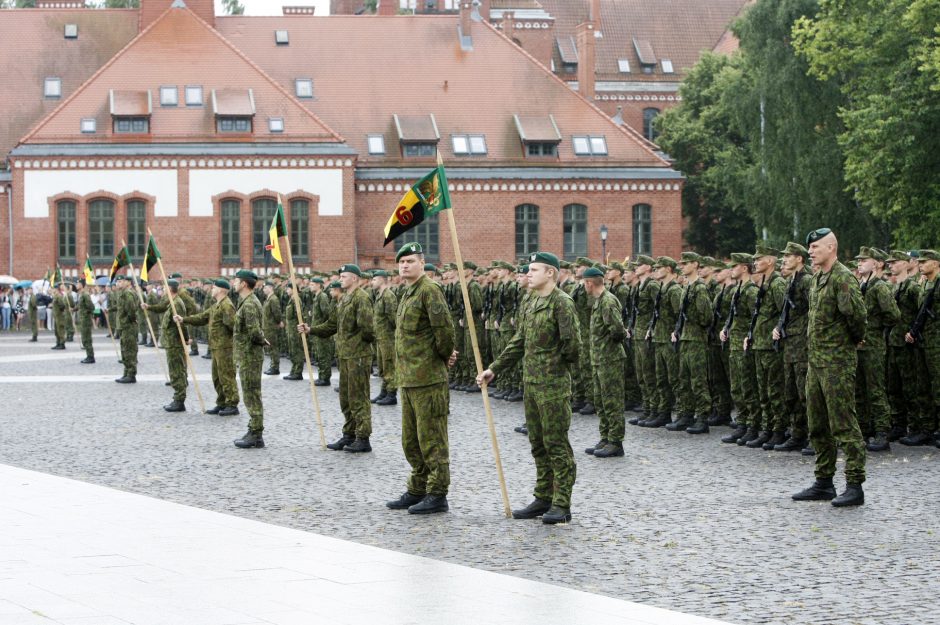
pixel 233 124
pixel 417 134
pixel 568 53
pixel 540 135
pixel 130 111
pixel 644 51
pixel 52 88
pixel 281 37
pixel 234 110
pixel 131 125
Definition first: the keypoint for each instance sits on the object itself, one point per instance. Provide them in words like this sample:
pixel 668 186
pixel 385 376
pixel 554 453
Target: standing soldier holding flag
pixel 127 313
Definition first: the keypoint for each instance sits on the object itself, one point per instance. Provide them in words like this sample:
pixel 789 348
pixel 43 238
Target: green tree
pixel 884 54
pixel 233 7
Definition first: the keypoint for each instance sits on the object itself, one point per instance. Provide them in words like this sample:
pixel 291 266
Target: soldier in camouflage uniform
pixel 523 293
pixel 607 358
pixel 60 313
pixel 836 325
pixel 153 298
pixel 424 348
pixel 548 342
pixel 695 402
pixel 921 431
pixel 717 276
pixel 504 308
pixel 126 312
pixel 33 309
pixel 465 359
pixel 384 311
pixel 272 320
pixel 740 362
pixel 792 339
pixel 295 347
pixel 86 311
pixel 882 313
pixel 248 343
pixel 583 383
pixel 175 348
pixel 616 277
pixel 219 316
pixel 645 297
pixel 355 333
pixel 322 309
pixel 666 360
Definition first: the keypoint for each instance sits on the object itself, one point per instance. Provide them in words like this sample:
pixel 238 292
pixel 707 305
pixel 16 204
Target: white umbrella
pixel 40 285
pixel 7 280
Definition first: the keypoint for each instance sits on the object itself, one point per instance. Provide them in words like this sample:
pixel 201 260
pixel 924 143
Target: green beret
pixel 795 249
pixel 690 257
pixel 317 279
pixel 742 258
pixel 431 267
pixel 177 275
pixel 469 264
pixel 350 268
pixel 335 285
pixel 366 274
pixel 928 255
pixel 896 255
pixel 546 258
pixel 581 261
pixel 765 250
pixel 379 273
pixel 643 259
pixel 408 249
pixel 817 234
pixel 523 269
pixel 504 265
pixel 246 273
pixel 665 261
pixel 593 272
pixel 222 284
pixel 173 283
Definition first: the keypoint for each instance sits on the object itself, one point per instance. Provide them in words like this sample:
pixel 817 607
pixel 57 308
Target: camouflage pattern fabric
pixel 220 319
pixel 85 312
pixel 607 357
pixel 127 314
pixel 248 341
pixel 271 318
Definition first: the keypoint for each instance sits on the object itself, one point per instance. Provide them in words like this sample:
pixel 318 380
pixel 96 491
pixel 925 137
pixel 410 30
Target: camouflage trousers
pixel 631 386
pixel 385 351
pixel 249 373
pixel 424 412
pixel 768 365
pixel 354 396
pixel 794 395
pixel 548 417
pixel 273 351
pixel 607 378
pixel 932 357
pixel 34 324
pixel 85 330
pixel 694 398
pixel 510 378
pixel 907 388
pixel 223 377
pixel 175 363
pixel 830 408
pixel 60 329
pixel 295 350
pixel 584 385
pixel 496 346
pixel 719 386
pixel 645 366
pixel 871 398
pixel 324 349
pixel 470 373
pixel 744 388
pixel 129 353
pixel 667 377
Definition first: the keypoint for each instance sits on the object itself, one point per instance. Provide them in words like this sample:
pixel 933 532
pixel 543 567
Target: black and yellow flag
pixel 277 230
pixel 55 277
pixel 150 259
pixel 89 273
pixel 121 260
pixel 425 198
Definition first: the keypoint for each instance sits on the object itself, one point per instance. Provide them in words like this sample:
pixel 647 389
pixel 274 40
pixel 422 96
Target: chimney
pixel 299 10
pixel 485 6
pixel 595 16
pixel 585 39
pixel 60 4
pixel 464 27
pixel 509 23
pixel 388 7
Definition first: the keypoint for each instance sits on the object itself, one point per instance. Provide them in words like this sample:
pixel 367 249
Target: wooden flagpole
pixel 284 244
pixel 153 335
pixel 471 327
pixel 179 328
pixel 110 333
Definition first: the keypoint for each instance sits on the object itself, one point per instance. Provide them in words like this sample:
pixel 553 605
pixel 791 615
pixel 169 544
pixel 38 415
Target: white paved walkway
pixel 74 553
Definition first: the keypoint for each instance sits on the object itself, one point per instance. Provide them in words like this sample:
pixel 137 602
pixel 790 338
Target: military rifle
pixel 925 313
pixel 634 311
pixel 788 305
pixel 864 285
pixel 654 319
pixel 716 313
pixel 731 314
pixel 749 339
pixel 680 320
pixel 487 301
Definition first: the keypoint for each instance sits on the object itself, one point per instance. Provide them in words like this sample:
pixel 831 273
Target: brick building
pixel 172 119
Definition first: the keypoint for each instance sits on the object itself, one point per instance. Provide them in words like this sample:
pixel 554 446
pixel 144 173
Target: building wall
pixel 633 106
pixel 4 234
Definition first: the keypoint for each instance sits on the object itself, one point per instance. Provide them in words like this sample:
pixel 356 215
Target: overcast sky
pixel 273 7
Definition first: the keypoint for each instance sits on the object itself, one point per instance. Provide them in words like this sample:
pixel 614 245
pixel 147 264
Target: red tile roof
pixel 537 128
pixel 179 49
pixel 130 103
pixel 36 38
pixel 413 65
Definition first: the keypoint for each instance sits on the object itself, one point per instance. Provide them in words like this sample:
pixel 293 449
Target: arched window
pixel 65 215
pixel 575 230
pixel 299 228
pixel 136 228
pixel 101 229
pixel 231 218
pixel 648 130
pixel 642 229
pixel 425 233
pixel 527 229
pixel 262 214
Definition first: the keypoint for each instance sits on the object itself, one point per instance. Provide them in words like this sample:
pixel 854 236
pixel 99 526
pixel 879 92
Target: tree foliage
pixel 233 7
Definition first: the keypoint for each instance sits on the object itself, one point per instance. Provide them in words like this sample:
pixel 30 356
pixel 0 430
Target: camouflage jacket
pixel 475 293
pixel 85 308
pixel 583 307
pixel 508 306
pixel 836 320
pixel 424 335
pixel 668 312
pixel 548 342
pixel 698 312
pixel 384 311
pixel 607 330
pixel 907 295
pixel 220 317
pixel 742 315
pixel 794 346
pixel 882 313
pixel 271 314
pixel 352 326
pixel 932 327
pixel 323 307
pixel 185 305
pixel 248 338
pixel 645 302
pixel 775 291
pixel 60 308
pixel 127 309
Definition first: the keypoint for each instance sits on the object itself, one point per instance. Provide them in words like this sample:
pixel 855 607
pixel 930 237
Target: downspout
pixel 10 222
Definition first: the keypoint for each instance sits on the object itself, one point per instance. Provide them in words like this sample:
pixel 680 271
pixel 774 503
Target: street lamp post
pixel 604 242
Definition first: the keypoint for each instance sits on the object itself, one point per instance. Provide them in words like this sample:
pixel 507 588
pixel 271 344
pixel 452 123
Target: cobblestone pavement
pixel 681 522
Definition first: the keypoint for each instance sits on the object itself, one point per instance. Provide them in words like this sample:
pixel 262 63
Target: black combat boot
pixel 808 450
pixel 207 356
pixel 228 411
pixel 758 443
pixel 577 405
pixel 896 433
pixel 175 406
pixel 536 508
pixel 588 409
pixel 360 445
pixel 852 496
pixel 127 379
pixel 680 424
pixel 737 433
pixel 610 450
pixel 379 396
pixel 404 502
pixel 318 381
pixel 470 388
pixel 522 429
pixel 777 439
pixel 251 439
pixel 270 371
pixel 791 444
pixel 429 505
pixel 341 442
pixel 699 426
pixel 821 490
pixel 88 360
pixel 750 435
pixel 879 442
pixel 499 394
pixel 916 439
pixel 659 420
pixel 719 419
pixel 390 399
pixel 516 396
pixel 294 376
pixel 214 410
pixel 556 514
pixel 590 450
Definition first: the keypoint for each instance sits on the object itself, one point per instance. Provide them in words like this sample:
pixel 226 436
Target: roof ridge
pixel 578 95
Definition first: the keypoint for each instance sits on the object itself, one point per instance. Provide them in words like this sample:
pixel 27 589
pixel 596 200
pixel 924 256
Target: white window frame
pixel 165 91
pixel 276 124
pixel 281 37
pixel 300 85
pixel 461 144
pixel 52 88
pixel 480 148
pixel 89 125
pixel 623 65
pixel 667 66
pixel 190 90
pixel 589 145
pixel 71 31
pixel 376 144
